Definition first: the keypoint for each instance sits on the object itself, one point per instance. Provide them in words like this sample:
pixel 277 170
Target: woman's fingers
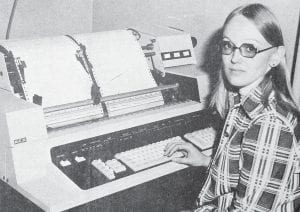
pixel 192 155
pixel 173 147
pixel 183 160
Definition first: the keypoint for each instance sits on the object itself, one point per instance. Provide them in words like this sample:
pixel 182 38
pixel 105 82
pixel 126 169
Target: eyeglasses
pixel 246 49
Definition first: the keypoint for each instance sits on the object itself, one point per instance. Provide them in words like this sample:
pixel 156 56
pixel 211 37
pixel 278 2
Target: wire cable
pixel 12 13
pixel 295 51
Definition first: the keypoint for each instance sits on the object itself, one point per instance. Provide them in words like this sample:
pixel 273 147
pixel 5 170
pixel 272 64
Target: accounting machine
pixel 80 113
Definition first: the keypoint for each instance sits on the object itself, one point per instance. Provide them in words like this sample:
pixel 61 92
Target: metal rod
pixel 68 106
pixel 139 92
pixel 110 98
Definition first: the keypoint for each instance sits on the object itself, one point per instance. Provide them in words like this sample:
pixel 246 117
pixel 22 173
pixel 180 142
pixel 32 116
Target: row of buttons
pixel 108 168
pixel 176 54
pixel 66 162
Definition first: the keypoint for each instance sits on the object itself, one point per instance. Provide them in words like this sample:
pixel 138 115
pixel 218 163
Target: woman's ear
pixel 278 56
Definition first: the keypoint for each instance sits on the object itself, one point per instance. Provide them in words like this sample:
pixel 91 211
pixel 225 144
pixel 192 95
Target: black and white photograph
pixel 149 106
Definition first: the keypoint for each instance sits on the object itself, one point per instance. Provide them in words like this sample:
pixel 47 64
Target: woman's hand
pixel 193 156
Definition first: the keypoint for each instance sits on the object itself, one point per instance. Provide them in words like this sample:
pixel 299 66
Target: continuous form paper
pixel 119 62
pixel 54 73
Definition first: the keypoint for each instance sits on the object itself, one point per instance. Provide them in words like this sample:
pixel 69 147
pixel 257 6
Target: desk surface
pixel 173 192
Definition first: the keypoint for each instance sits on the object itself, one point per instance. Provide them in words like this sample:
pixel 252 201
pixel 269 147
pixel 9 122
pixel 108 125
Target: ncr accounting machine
pixel 75 113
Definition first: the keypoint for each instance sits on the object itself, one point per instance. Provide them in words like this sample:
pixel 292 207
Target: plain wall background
pixel 201 18
pixel 296 83
pixel 37 18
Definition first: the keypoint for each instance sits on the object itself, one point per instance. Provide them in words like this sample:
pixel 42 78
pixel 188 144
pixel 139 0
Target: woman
pixel 255 166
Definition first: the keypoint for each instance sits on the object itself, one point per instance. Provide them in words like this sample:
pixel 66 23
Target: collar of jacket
pixel 254 102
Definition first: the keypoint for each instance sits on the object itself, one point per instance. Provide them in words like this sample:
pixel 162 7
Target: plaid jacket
pixel 256 165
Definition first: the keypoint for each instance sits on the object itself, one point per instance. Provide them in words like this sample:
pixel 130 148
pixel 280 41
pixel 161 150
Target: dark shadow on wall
pixel 211 64
pixel 212 60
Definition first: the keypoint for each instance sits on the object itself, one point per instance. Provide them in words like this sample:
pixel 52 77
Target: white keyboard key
pixel 65 163
pixel 116 166
pixel 79 159
pixel 104 169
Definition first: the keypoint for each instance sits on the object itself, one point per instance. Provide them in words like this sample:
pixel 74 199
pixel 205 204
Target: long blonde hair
pixel 267 24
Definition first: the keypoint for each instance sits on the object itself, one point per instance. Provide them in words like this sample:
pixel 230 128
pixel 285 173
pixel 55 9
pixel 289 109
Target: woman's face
pixel 242 71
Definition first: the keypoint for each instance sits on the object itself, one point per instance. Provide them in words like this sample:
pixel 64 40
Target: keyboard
pixel 204 139
pixel 149 155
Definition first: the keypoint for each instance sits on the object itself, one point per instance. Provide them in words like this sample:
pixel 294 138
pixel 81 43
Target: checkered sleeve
pixel 267 164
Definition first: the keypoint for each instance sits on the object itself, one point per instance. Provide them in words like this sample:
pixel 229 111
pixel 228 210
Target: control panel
pixel 91 162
